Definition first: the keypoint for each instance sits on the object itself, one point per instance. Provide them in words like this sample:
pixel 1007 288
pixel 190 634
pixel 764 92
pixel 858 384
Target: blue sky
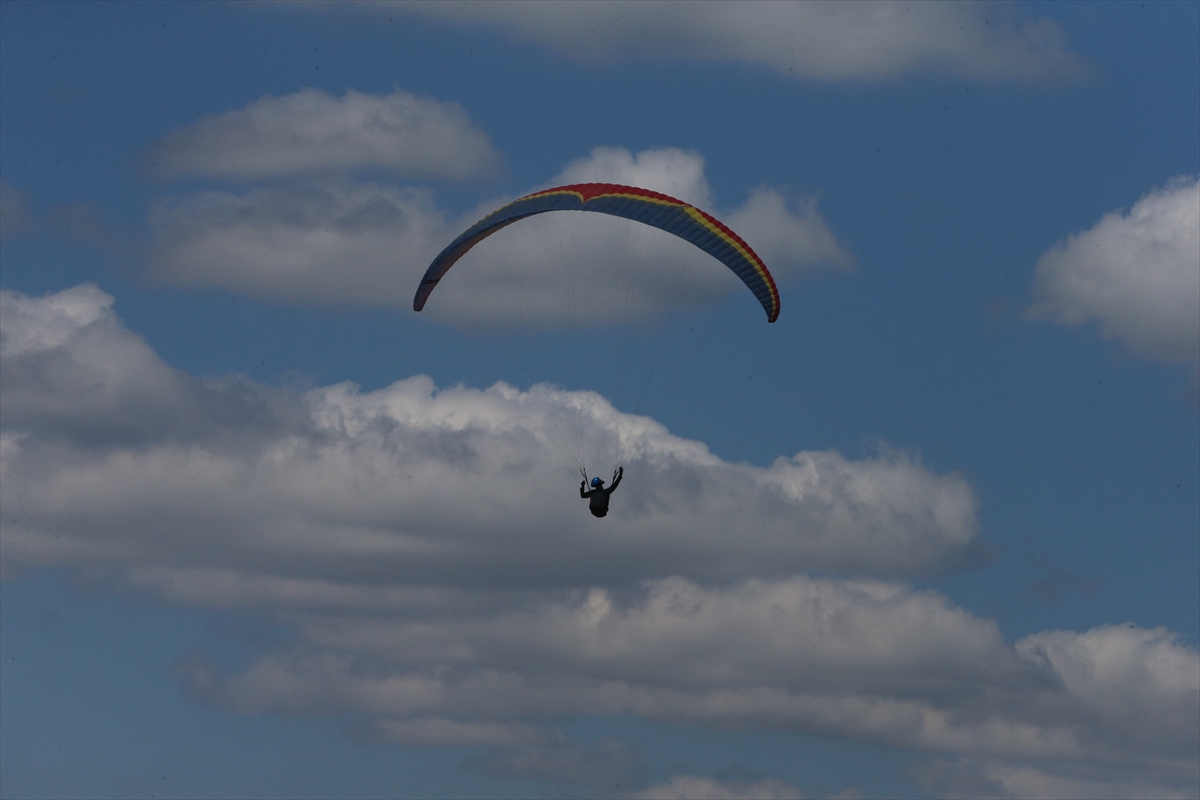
pixel 267 532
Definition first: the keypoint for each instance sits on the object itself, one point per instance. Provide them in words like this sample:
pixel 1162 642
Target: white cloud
pixel 319 244
pixel 858 659
pixel 444 585
pixel 1137 275
pixel 361 244
pixel 863 661
pixel 395 476
pixel 49 324
pixel 847 41
pixel 674 172
pixel 1138 683
pixel 71 366
pixel 311 132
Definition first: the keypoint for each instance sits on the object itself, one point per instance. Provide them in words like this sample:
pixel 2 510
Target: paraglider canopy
pixel 639 205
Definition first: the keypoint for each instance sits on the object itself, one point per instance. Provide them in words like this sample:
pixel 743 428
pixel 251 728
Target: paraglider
pixel 637 205
pixel 597 496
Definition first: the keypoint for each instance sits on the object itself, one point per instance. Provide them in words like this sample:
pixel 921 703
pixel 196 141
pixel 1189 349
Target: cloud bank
pixel 360 244
pixel 1136 275
pixel 848 41
pixel 408 481
pixel 444 587
pixel 311 132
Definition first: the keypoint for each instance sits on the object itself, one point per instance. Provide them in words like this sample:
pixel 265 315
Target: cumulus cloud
pixel 333 243
pixel 675 172
pixel 68 364
pixel 1135 274
pixel 393 477
pixel 863 660
pixel 859 41
pixel 313 132
pixel 369 245
pixel 443 586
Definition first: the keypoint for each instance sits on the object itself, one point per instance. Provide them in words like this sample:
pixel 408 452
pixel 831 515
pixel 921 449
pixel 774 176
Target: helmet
pixel 596 481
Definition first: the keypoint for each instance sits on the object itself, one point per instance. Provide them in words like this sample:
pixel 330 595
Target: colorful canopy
pixel 640 205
